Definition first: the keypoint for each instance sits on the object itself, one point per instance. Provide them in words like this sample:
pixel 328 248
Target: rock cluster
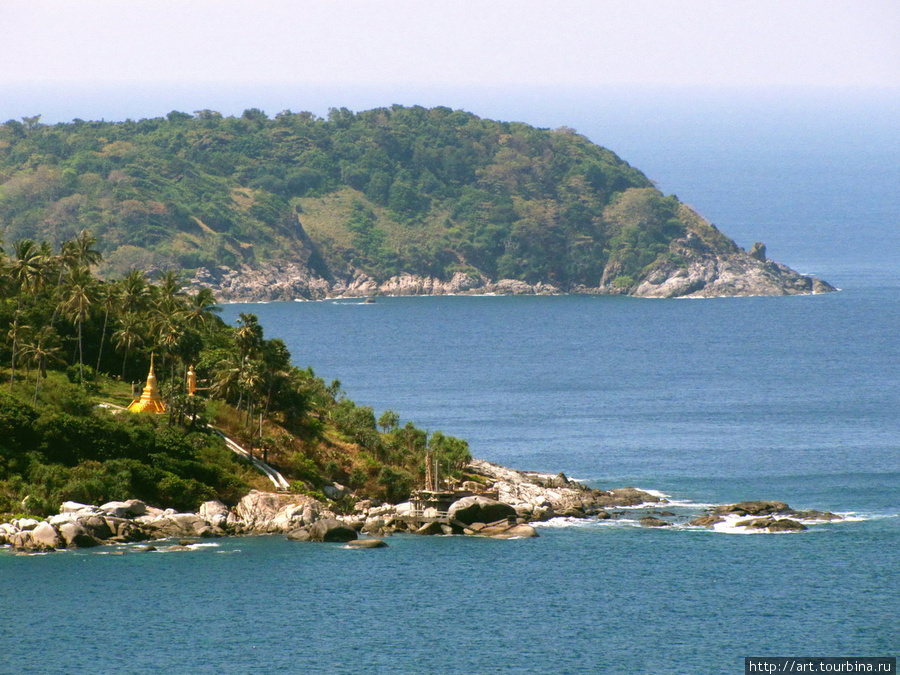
pixel 704 270
pixel 539 497
pixel 772 516
pixel 84 525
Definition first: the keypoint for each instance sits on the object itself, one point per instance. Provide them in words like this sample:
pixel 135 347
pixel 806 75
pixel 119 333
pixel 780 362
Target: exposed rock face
pixel 265 512
pixel 651 521
pixel 84 525
pixel 772 524
pixel 772 516
pixel 367 543
pixel 331 529
pixel 703 270
pixel 540 497
pixel 710 275
pixel 479 509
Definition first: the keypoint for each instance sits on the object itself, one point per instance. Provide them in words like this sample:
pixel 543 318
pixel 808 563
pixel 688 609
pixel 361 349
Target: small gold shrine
pixel 149 402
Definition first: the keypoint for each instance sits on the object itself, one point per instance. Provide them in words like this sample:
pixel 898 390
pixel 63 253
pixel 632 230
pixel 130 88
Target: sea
pixel 704 402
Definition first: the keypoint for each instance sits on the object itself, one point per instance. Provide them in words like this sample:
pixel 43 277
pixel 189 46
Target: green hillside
pixel 387 191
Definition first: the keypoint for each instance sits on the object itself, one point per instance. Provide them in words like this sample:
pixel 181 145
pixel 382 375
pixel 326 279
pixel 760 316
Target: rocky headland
pixel 708 273
pixel 502 504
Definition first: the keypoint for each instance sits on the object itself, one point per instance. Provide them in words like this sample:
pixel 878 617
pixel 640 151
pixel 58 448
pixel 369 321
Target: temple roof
pixel 150 401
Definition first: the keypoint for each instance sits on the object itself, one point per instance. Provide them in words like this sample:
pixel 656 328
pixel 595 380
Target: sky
pixel 51 50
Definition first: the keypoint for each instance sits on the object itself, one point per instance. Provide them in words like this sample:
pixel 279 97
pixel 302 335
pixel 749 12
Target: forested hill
pixel 361 198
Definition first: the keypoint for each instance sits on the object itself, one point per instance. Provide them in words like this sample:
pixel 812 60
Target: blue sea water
pixel 708 401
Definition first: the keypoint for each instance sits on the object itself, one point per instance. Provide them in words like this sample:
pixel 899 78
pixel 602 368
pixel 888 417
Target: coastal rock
pixel 772 524
pixel 475 509
pixel 331 529
pixel 266 512
pixel 128 509
pixel 367 543
pixel 300 534
pixel 754 508
pixel 76 536
pixel 46 536
pixel 215 513
pixel 521 531
pixel 547 496
pixel 651 521
pixel 708 266
pixel 707 520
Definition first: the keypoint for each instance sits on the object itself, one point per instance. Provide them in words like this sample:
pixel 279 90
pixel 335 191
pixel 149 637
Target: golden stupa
pixel 149 402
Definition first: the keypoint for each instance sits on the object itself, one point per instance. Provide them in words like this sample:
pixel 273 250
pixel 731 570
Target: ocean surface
pixel 706 401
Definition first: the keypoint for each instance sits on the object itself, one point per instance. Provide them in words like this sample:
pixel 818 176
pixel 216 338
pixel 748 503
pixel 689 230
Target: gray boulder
pixel 367 543
pixel 300 534
pixel 46 537
pixel 76 536
pixel 478 509
pixel 650 521
pixel 127 509
pixel 331 529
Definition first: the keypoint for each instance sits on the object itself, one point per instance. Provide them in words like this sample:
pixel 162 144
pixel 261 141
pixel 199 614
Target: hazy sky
pixel 458 42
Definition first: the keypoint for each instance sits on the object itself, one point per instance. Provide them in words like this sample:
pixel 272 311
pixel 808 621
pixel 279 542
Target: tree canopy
pixel 387 191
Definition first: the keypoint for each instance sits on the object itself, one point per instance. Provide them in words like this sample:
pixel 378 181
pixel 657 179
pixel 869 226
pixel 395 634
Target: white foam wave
pixel 565 522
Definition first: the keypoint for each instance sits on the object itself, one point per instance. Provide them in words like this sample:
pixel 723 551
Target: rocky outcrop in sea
pixel 503 503
pixel 702 271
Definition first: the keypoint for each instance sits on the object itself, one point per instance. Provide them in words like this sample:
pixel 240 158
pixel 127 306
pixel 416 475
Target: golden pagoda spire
pixel 150 400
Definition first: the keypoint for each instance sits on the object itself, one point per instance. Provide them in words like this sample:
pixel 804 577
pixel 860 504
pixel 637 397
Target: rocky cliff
pixel 704 272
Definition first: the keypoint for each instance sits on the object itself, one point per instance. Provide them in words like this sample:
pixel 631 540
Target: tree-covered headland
pixel 72 340
pixel 428 192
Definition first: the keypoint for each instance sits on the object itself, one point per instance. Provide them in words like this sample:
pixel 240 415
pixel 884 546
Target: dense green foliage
pixel 424 191
pixel 74 339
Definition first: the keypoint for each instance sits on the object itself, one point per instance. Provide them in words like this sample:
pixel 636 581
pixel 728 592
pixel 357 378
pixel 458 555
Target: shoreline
pixel 506 505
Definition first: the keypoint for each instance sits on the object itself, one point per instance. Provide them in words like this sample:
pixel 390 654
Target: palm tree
pixel 40 350
pixel 79 294
pixel 81 252
pixel 128 336
pixel 200 309
pixel 28 275
pixel 135 292
pixel 109 298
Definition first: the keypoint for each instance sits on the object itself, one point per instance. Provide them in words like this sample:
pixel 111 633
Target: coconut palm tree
pixel 134 291
pixel 108 296
pixel 78 296
pixel 27 272
pixel 128 336
pixel 201 308
pixel 40 350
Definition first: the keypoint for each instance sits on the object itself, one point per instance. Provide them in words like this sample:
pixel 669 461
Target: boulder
pixel 46 537
pixel 520 531
pixel 650 521
pixel 478 509
pixel 300 534
pixel 430 529
pixel 335 491
pixel 331 529
pixel 772 524
pixel 754 508
pixel 816 515
pixel 367 543
pixel 264 512
pixel 707 520
pixel 127 509
pixel 96 526
pixel 75 507
pixel 215 513
pixel 76 536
